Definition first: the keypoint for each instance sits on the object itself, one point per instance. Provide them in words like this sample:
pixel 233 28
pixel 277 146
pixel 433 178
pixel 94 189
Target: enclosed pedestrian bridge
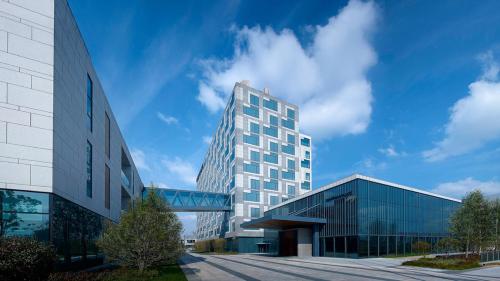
pixel 180 200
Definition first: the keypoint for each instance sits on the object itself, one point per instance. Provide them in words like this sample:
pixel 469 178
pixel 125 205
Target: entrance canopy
pixel 282 222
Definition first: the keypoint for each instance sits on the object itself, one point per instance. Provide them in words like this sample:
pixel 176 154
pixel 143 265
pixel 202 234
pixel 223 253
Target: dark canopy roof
pixel 282 222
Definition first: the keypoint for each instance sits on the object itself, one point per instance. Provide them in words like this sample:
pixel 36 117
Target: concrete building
pixel 64 166
pixel 259 157
pixel 357 216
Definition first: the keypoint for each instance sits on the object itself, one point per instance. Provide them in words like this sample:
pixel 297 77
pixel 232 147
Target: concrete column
pixel 315 240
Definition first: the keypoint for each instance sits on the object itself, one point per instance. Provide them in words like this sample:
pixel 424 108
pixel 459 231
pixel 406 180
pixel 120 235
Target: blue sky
pixel 406 91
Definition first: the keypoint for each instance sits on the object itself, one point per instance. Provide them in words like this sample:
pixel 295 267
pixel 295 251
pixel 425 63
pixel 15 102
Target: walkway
pixel 254 267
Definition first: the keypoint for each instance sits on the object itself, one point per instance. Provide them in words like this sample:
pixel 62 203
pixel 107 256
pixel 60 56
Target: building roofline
pixel 359 176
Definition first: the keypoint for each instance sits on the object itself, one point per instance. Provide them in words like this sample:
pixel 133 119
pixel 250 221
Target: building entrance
pixel 288 242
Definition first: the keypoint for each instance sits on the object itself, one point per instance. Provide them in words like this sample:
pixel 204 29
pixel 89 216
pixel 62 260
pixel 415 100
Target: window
pixel 288 149
pixel 272 131
pixel 251 111
pixel 305 163
pixel 305 142
pixel 253 196
pixel 291 164
pixel 271 104
pixel 255 212
pixel 255 156
pixel 290 113
pixel 251 139
pixel 290 190
pixel 254 100
pixel 90 96
pixel 89 169
pixel 254 128
pixel 308 176
pixel 273 146
pixel 288 123
pixel 289 175
pixel 290 138
pixel 106 187
pixel 273 120
pixel 306 185
pixel 308 155
pixel 107 135
pixel 251 168
pixel 273 173
pixel 274 200
pixel 271 158
pixel 271 185
pixel 254 184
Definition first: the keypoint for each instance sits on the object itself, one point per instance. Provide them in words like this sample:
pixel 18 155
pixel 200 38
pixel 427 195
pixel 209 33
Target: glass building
pixel 357 216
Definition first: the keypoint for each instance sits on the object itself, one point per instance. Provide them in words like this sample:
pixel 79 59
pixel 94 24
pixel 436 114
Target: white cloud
pixel 169 120
pixel 390 151
pixel 474 119
pixel 460 188
pixel 209 98
pixel 139 159
pixel 370 166
pixel 182 169
pixel 326 78
pixel 207 139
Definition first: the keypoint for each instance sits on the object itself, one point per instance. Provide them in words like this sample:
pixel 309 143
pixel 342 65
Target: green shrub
pixel 421 247
pixel 24 258
pixel 444 263
pixel 202 246
pixel 219 245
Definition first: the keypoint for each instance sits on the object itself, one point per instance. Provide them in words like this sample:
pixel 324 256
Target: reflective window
pixel 90 97
pixel 255 156
pixel 89 169
pixel 271 185
pixel 253 196
pixel 251 111
pixel 254 128
pixel 273 173
pixel 270 104
pixel 254 100
pixel 255 212
pixel 273 146
pixel 305 142
pixel 271 158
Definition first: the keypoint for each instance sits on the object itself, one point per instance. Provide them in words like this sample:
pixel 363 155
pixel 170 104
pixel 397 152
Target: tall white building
pixel 257 155
pixel 64 166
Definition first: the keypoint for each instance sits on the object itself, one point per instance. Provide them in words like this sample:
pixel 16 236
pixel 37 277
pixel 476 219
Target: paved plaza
pixel 255 267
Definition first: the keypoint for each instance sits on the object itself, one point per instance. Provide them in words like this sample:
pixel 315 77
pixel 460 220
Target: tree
pixel 149 234
pixel 421 247
pixel 446 244
pixel 472 223
pixel 495 214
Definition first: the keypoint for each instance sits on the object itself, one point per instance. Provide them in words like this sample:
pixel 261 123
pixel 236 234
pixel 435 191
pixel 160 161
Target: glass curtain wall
pixel 47 217
pixel 365 218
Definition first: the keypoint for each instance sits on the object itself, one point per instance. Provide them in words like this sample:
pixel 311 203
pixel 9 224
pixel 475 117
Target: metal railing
pixel 490 256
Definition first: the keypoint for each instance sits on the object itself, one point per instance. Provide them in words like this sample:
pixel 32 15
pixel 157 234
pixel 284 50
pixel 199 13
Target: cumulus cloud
pixel 169 120
pixel 210 98
pixel 184 170
pixel 460 188
pixel 326 78
pixel 139 159
pixel 390 151
pixel 473 120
